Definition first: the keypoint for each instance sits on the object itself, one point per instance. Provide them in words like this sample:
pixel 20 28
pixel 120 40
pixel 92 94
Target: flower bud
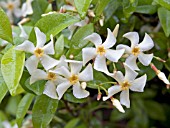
pixel 115 31
pixel 117 104
pixel 169 54
pixel 83 85
pixel 162 77
pixel 99 96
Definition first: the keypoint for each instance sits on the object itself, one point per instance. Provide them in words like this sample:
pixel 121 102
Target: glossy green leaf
pixel 12 65
pixel 73 123
pixel 53 24
pixel 82 7
pixel 3 88
pixel 43 111
pixel 59 47
pixel 100 6
pixel 37 87
pixel 69 97
pixel 165 20
pixel 23 107
pixel 77 41
pixel 146 9
pixel 39 8
pixel 163 3
pixel 5 27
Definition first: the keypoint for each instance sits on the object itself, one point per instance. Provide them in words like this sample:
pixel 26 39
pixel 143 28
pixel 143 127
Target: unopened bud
pixel 169 52
pixel 99 96
pixel 71 56
pixel 159 59
pixel 91 13
pixel 117 104
pixel 62 10
pixel 162 77
pixel 83 85
pixel 115 31
pixel 154 68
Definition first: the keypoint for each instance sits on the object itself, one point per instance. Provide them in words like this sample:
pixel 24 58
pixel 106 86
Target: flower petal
pixel 86 74
pixel 41 37
pixel 124 98
pixel 75 67
pixel 79 92
pixel 117 104
pixel 88 54
pixel 62 88
pixel 118 76
pixel 114 55
pixel 100 64
pixel 17 12
pixel 63 71
pixel 38 75
pixel 139 84
pixel 26 46
pixel 94 38
pixel 122 46
pixel 130 74
pixel 131 62
pixel 62 62
pixel 49 48
pixel 23 33
pixel 110 40
pixel 50 90
pixel 111 91
pixel 147 43
pixel 31 64
pixel 133 37
pixel 48 62
pixel 3 4
pixel 145 59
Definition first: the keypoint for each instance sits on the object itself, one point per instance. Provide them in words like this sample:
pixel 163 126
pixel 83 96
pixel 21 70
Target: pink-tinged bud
pixel 117 104
pixel 169 53
pixel 160 59
pixel 154 68
pixel 99 96
pixel 62 10
pixel 162 77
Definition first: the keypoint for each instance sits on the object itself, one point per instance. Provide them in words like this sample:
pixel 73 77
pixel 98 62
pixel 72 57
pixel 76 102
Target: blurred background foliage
pixel 150 109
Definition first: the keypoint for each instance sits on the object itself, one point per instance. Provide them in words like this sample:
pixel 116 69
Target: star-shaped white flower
pixel 102 51
pixel 27 8
pixel 136 50
pixel 50 86
pixel 40 52
pixel 125 83
pixel 74 78
pixel 12 7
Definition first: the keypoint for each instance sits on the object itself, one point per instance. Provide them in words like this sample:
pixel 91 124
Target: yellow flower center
pixel 125 85
pixel 10 6
pixel 101 50
pixel 135 51
pixel 39 52
pixel 73 79
pixel 51 76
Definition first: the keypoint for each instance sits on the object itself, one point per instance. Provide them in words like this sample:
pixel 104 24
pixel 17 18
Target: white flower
pixel 6 124
pixel 102 51
pixel 40 52
pixel 27 8
pixel 74 78
pixel 50 86
pixel 125 83
pixel 162 77
pixel 136 50
pixel 12 7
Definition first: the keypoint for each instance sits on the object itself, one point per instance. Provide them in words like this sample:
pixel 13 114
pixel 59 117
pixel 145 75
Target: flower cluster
pixel 63 73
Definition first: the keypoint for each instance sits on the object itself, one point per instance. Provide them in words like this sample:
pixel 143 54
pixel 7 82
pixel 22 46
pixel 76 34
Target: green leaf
pixel 100 7
pixel 163 3
pixel 82 7
pixel 163 15
pixel 154 110
pixel 69 97
pixel 73 123
pixel 78 42
pixel 3 88
pixel 146 9
pixel 59 47
pixel 23 107
pixel 39 7
pixel 43 111
pixel 12 65
pixel 53 24
pixel 37 87
pixel 5 27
